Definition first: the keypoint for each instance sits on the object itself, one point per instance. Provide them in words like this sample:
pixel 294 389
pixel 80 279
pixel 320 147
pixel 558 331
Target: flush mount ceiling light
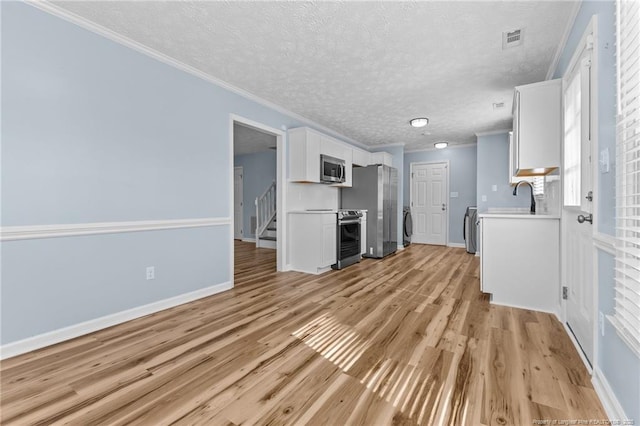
pixel 419 122
pixel 441 145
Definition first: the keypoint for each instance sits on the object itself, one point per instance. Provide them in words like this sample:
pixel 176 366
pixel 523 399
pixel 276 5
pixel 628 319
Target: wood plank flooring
pixel 404 340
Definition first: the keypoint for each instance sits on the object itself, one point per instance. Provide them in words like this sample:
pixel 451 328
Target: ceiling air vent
pixel 512 38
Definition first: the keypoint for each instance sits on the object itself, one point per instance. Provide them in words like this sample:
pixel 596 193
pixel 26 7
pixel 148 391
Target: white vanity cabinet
pixel 381 158
pixel 313 238
pixel 519 260
pixel 537 128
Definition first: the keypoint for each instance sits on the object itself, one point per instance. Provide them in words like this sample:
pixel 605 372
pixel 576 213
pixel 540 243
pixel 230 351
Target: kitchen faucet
pixel 533 200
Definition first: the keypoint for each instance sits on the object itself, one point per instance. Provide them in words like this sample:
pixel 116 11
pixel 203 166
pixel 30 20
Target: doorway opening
pixel 429 207
pixel 258 223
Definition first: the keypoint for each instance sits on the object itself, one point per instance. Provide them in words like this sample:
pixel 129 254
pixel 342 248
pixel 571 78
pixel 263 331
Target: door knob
pixel 443 207
pixel 587 218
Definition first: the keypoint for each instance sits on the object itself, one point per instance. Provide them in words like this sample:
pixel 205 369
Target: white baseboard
pixel 611 405
pixel 456 245
pixel 400 247
pixel 56 336
pixel 249 240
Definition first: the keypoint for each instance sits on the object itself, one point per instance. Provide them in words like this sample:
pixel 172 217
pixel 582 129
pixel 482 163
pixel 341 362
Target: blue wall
pixel 620 366
pixel 462 179
pixel 258 170
pixel 93 131
pixel 493 169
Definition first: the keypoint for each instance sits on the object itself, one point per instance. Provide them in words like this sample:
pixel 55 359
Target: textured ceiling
pixel 361 68
pixel 247 140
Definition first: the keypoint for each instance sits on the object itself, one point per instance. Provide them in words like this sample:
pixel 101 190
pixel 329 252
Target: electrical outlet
pixel 601 320
pixel 484 198
pixel 151 272
pixel 494 188
pixel 371 251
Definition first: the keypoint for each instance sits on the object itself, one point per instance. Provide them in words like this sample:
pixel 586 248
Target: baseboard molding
pixel 611 405
pixel 529 308
pixel 12 233
pixel 56 336
pixel 400 247
pixel 456 245
pixel 249 240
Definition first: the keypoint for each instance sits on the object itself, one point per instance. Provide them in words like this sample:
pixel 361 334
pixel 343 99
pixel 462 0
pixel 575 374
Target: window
pixel 626 317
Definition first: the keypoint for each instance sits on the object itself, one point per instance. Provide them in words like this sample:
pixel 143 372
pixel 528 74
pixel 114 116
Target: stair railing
pixel 265 209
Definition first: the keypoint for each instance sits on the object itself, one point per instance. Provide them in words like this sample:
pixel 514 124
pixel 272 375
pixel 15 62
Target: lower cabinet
pixel 313 241
pixel 520 261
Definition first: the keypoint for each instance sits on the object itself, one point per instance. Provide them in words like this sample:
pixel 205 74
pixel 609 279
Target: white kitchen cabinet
pixel 313 241
pixel 513 179
pixel 305 147
pixel 304 155
pixel 361 157
pixel 381 158
pixel 537 128
pixel 520 261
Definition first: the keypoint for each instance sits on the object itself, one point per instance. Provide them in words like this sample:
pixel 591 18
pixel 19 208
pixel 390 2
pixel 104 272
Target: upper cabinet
pixel 537 128
pixel 361 157
pixel 306 146
pixel 382 158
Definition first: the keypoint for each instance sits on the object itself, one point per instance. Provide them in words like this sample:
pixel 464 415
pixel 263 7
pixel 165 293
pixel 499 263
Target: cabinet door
pixel 304 156
pixel 329 244
pixel 361 157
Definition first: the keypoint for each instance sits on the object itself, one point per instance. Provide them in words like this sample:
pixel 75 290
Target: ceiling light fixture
pixel 419 122
pixel 441 145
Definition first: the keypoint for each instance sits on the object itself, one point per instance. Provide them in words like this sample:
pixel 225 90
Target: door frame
pixel 448 211
pixel 281 173
pixel 241 169
pixel 592 28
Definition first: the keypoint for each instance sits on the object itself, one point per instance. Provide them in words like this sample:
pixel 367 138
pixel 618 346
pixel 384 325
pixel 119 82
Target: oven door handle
pixel 348 222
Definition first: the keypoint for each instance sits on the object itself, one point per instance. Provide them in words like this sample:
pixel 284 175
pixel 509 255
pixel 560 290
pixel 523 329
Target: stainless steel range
pixel 349 236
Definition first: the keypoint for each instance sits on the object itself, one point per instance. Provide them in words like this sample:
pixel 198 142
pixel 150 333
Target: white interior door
pixel 429 203
pixel 577 219
pixel 238 231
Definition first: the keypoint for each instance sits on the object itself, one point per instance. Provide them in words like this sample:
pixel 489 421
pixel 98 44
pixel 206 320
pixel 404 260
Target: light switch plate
pixel 454 195
pixel 484 198
pixel 494 188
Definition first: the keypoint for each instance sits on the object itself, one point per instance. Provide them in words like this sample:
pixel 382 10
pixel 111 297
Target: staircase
pixel 266 221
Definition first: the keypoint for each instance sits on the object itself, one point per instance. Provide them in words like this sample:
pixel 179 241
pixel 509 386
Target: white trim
pixel 56 336
pixel 386 145
pixel 59 12
pixel 563 41
pixel 577 346
pixel 456 245
pixel 400 247
pixel 493 132
pixel 610 403
pixel 12 233
pixel 241 233
pixel 249 240
pixel 281 173
pixel 604 242
pixel 462 145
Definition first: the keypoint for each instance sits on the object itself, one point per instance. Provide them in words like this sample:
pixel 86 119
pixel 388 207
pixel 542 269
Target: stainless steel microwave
pixel 332 170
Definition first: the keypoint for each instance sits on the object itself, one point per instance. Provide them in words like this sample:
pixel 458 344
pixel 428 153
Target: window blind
pixel 626 317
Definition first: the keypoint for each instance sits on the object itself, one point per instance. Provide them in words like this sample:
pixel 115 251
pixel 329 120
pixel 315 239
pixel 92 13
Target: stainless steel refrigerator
pixel 375 188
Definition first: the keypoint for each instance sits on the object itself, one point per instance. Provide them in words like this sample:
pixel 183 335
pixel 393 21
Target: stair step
pixel 268 238
pixel 272 229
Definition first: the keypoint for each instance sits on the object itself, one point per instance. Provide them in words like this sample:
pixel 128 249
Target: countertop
pixel 516 214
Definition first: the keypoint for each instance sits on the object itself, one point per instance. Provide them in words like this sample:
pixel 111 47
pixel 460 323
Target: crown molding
pixel 464 145
pixel 563 41
pixel 55 10
pixel 387 145
pixel 493 132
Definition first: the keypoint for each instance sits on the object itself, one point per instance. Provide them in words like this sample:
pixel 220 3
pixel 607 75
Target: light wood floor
pixel 404 340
